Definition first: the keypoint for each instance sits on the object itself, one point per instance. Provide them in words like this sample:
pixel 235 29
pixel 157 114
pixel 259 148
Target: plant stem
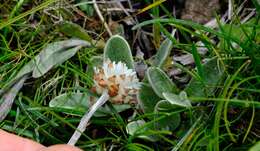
pixel 85 119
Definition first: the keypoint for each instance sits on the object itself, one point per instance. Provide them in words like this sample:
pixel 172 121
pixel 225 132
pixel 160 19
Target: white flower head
pixel 121 82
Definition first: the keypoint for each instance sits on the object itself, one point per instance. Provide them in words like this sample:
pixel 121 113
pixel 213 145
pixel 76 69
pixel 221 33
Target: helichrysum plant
pixel 115 82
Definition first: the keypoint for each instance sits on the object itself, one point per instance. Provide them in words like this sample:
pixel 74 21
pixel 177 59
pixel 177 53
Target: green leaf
pixel 171 121
pixel 147 98
pixel 77 101
pixel 163 53
pixel 6 101
pixel 26 69
pixel 164 120
pixel 117 49
pixel 105 111
pixel 69 102
pixel 97 61
pixel 256 147
pixel 136 128
pixel 160 82
pixel 86 8
pixel 213 75
pixel 132 127
pixel 56 53
pixel 74 30
pixel 179 100
pixel 52 55
pixel 164 106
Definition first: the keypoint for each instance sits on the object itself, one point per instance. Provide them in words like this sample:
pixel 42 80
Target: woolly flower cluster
pixel 118 80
